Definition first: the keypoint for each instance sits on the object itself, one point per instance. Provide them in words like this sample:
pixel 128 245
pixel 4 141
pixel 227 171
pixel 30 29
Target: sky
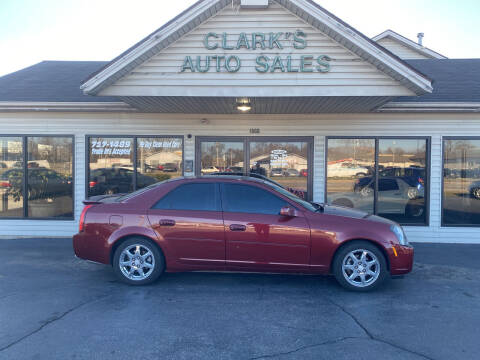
pixel 34 30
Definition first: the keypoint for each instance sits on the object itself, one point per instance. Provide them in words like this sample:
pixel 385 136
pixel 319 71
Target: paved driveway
pixel 53 306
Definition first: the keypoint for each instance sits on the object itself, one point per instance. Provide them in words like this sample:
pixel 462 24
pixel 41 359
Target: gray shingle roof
pixel 51 81
pixel 455 80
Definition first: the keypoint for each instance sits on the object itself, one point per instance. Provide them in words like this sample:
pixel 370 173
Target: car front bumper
pixel 401 261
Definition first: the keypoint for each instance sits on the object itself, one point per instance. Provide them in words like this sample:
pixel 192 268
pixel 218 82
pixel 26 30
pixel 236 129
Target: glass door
pixel 287 161
pixel 221 156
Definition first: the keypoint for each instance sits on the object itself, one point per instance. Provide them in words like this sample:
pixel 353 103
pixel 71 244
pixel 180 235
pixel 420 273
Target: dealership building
pixel 281 88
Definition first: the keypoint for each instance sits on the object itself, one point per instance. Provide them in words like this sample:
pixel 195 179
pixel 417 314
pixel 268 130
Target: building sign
pixel 257 41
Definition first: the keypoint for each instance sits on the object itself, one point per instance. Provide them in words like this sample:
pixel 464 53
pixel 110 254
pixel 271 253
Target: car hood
pixel 354 214
pixel 344 211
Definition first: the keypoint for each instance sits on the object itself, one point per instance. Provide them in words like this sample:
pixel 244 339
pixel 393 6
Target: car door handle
pixel 238 227
pixel 167 222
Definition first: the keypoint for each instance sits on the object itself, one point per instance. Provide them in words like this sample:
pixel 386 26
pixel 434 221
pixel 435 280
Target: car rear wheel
pixel 138 261
pixel 360 266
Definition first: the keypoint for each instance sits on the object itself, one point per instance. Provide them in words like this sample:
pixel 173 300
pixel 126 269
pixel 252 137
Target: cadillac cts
pixel 230 223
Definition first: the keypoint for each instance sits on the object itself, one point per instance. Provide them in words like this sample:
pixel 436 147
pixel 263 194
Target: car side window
pixel 387 185
pixel 250 199
pixel 199 196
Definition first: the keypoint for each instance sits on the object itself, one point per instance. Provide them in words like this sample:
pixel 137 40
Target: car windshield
pixel 307 205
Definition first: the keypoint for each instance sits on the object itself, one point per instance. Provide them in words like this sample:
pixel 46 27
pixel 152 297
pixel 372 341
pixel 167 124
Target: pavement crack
pixel 330 342
pixel 371 336
pixel 52 320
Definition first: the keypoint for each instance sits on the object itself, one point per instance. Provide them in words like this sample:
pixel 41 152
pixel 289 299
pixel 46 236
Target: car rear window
pixel 200 196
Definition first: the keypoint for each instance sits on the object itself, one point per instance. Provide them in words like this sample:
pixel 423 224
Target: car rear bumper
pixel 402 262
pixel 87 248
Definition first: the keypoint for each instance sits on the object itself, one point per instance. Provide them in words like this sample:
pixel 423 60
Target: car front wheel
pixel 360 266
pixel 138 261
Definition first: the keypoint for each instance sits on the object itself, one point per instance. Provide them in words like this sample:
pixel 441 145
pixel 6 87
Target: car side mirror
pixel 288 211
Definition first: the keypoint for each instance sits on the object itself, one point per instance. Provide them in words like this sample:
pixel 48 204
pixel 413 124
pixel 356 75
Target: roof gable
pixel 327 33
pixel 404 47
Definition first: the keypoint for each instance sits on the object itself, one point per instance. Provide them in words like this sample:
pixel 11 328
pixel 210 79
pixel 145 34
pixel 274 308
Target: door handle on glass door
pixel 167 222
pixel 238 227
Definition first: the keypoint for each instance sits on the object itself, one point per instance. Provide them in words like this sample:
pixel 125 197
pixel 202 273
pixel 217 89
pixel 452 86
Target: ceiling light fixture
pixel 243 105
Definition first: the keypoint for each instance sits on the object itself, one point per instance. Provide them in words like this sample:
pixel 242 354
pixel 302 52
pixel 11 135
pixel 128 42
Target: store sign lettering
pixel 257 41
pixel 113 147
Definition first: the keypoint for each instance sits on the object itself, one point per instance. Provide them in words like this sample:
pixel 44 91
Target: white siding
pixel 402 51
pixel 319 126
pixel 349 75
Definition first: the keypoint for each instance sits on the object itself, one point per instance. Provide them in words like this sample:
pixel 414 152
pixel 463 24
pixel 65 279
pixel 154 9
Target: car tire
pixel 374 259
pixel 131 267
pixel 412 193
pixel 414 210
pixel 476 193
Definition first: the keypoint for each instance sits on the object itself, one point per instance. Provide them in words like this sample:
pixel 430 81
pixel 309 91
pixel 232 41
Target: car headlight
pixel 398 231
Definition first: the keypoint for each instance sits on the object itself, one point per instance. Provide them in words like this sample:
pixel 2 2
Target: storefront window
pixel 350 173
pixel 158 159
pixel 402 180
pixel 112 159
pixel 399 190
pixel 11 176
pixel 461 182
pixel 283 162
pixel 44 173
pixel 49 177
pixel 111 165
pixel 222 156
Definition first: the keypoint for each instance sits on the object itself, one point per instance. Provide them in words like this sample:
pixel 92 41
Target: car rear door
pixel 257 236
pixel 189 220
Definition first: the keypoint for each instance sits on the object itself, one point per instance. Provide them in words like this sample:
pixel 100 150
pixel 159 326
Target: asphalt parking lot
pixel 53 306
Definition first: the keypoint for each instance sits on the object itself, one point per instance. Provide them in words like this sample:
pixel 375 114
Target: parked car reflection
pixel 396 196
pixel 42 183
pixel 116 180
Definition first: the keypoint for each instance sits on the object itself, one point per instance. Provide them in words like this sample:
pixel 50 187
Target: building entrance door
pixel 287 161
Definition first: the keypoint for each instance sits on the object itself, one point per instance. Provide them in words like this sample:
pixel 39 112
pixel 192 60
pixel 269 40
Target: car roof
pixel 218 178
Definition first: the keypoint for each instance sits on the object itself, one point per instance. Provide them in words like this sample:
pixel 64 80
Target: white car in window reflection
pixel 395 196
pixel 347 170
pixel 210 170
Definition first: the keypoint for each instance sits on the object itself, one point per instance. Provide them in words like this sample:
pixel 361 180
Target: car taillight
pixel 81 225
pixel 92 183
pixel 5 184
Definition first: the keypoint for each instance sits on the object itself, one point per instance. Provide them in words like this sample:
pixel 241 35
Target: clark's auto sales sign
pixel 257 42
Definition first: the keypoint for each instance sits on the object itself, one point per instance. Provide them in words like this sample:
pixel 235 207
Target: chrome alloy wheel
pixel 137 262
pixel 360 268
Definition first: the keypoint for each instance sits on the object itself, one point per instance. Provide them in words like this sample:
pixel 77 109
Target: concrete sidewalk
pixel 53 306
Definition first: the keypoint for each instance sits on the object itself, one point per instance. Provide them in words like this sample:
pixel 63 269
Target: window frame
pixel 25 177
pixel 134 146
pixel 246 140
pixel 442 222
pixel 428 164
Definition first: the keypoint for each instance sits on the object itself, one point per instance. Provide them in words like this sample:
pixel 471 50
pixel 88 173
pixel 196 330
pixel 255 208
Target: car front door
pixel 189 220
pixel 257 236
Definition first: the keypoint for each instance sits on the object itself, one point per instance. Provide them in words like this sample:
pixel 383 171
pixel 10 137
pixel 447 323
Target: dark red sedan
pixel 237 224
